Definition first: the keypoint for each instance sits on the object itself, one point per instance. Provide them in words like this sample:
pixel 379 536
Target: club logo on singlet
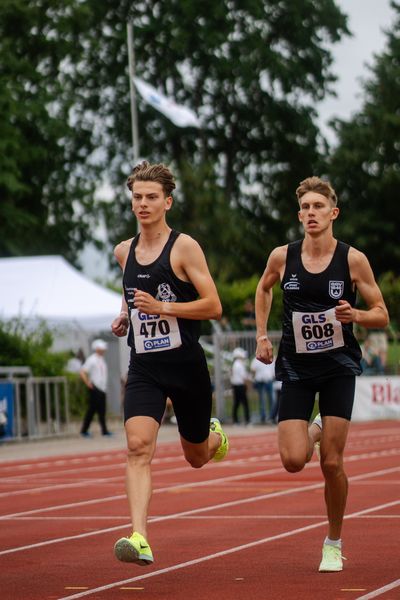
pixel 336 289
pixel 165 294
pixel 293 283
pixel 155 333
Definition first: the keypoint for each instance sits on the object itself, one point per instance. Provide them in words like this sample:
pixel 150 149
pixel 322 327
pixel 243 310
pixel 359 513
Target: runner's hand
pixel 120 325
pixel 264 351
pixel 344 312
pixel 146 303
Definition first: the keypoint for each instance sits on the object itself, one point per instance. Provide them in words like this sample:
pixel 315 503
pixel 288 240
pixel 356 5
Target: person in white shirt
pixel 94 374
pixel 239 378
pixel 264 376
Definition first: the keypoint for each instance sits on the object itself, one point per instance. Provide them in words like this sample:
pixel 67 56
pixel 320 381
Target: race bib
pixel 155 333
pixel 317 331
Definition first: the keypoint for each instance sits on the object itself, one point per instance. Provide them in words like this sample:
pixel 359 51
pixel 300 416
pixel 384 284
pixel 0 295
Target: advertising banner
pixel 6 410
pixel 376 398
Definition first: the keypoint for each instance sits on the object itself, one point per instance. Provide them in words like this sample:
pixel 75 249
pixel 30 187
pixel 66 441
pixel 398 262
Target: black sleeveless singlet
pixel 309 346
pixel 159 280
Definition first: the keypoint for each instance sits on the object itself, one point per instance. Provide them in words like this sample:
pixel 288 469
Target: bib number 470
pixel 154 328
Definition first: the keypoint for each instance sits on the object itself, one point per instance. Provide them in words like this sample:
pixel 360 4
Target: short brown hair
pixel 317 185
pixel 159 173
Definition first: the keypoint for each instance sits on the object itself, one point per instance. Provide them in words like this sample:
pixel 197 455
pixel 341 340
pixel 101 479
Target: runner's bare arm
pixel 273 273
pixel 120 324
pixel 189 263
pixel 363 278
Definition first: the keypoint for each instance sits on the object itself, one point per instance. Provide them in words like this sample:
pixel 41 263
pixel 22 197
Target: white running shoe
pixel 317 447
pixel 332 559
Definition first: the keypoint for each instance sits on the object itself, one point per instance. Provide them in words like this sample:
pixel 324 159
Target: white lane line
pixel 85 482
pixel 168 488
pixel 202 517
pixel 204 509
pixel 380 591
pixel 227 463
pixel 220 554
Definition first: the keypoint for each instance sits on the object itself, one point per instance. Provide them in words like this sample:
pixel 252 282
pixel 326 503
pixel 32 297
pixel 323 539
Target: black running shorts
pixel 186 382
pixel 336 398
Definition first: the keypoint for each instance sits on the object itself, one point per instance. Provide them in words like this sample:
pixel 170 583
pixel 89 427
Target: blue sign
pixel 6 410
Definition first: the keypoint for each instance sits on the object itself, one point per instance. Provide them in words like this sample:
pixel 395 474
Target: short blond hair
pixel 159 173
pixel 317 185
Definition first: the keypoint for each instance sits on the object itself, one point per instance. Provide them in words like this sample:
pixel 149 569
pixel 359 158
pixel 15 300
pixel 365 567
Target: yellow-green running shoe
pixel 332 559
pixel 134 549
pixel 215 426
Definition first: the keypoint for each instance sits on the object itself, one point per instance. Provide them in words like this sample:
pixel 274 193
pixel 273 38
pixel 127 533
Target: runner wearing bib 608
pixel 318 352
pixel 168 290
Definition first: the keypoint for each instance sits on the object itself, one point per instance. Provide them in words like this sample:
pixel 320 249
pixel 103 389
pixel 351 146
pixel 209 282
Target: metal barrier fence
pixel 219 348
pixel 38 407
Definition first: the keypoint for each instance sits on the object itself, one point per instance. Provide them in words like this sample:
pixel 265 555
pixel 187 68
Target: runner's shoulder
pixel 278 255
pixel 121 250
pixel 185 243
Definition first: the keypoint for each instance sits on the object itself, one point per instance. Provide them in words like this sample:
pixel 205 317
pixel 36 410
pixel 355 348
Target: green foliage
pixel 234 295
pixel 365 165
pixel 20 346
pixel 389 284
pixel 77 395
pixel 46 175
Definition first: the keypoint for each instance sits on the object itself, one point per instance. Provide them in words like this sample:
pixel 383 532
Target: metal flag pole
pixel 134 119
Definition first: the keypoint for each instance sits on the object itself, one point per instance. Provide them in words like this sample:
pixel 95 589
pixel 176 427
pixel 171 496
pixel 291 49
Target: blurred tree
pixel 253 70
pixel 365 166
pixel 47 181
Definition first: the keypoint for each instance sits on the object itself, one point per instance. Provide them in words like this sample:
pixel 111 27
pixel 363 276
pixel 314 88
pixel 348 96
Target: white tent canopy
pixel 48 288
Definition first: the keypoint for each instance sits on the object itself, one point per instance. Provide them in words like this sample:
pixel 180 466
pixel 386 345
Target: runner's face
pixel 316 212
pixel 149 204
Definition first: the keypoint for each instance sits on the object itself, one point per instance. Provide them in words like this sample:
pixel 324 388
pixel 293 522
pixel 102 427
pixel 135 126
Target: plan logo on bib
pixel 336 289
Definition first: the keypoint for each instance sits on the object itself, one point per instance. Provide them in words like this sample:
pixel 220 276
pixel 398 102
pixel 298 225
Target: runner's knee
pixel 137 447
pixel 293 464
pixel 331 465
pixel 196 460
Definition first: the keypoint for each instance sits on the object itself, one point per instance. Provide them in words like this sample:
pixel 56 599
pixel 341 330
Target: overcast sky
pixel 368 19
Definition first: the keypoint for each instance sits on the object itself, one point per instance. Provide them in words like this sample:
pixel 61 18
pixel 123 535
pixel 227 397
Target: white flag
pixel 178 114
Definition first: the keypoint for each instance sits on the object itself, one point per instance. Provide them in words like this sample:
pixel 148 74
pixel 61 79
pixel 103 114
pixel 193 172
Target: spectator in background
pixel 239 379
pixel 264 376
pixel 76 361
pixel 94 375
pixel 379 346
pixel 371 361
pixel 249 315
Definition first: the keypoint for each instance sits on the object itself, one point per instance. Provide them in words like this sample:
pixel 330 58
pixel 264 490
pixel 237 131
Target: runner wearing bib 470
pixel 167 292
pixel 318 353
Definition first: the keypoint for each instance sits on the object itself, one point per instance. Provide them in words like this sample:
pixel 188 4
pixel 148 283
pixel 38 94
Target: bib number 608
pixel 317 332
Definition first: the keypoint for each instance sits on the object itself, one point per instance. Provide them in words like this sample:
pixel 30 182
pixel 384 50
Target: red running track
pixel 243 528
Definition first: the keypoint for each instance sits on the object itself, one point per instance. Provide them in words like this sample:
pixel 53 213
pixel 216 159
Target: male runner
pixel 167 291
pixel 318 352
